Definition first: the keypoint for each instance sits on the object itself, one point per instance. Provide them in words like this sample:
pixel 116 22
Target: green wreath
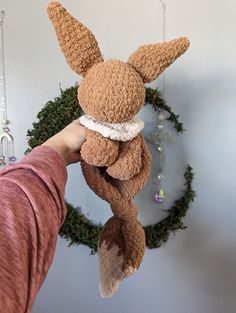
pixel 77 229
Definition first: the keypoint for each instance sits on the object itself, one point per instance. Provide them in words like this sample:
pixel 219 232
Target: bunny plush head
pixel 111 91
pixel 115 159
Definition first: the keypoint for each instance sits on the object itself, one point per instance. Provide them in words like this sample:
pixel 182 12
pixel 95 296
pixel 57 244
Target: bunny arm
pixel 99 151
pixel 129 161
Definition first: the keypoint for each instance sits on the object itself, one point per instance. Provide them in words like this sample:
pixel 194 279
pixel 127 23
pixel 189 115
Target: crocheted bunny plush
pixel 116 161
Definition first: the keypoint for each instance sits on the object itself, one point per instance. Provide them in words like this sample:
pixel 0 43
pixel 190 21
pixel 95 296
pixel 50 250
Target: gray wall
pixel 195 271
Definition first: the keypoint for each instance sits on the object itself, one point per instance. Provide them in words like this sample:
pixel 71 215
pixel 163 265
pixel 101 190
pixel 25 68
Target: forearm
pixel 59 146
pixel 32 210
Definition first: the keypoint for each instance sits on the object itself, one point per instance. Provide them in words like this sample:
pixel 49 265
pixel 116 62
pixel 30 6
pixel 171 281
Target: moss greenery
pixel 77 229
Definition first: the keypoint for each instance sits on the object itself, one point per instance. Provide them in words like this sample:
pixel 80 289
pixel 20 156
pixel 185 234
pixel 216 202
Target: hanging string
pixel 2 77
pixel 163 4
pixel 6 140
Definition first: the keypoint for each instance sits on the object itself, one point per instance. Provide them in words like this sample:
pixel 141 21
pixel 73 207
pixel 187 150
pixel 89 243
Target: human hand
pixel 68 141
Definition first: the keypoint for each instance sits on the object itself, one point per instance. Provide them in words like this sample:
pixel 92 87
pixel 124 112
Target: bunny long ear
pixel 151 60
pixel 77 42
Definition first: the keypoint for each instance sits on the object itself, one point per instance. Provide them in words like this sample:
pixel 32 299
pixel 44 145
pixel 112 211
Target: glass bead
pixel 12 159
pixel 160 196
pixel 6 129
pixel 161 116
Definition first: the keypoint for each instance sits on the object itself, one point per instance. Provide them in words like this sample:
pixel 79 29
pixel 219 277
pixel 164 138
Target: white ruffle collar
pixel 125 131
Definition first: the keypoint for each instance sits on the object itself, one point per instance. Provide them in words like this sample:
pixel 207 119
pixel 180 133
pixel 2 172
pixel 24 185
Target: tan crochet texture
pixel 113 92
pixel 151 60
pixel 78 44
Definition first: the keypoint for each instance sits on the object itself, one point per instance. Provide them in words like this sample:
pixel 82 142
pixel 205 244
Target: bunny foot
pixel 129 161
pixel 99 151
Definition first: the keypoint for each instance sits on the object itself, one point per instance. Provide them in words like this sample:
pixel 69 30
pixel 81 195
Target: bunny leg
pixel 99 151
pixel 129 160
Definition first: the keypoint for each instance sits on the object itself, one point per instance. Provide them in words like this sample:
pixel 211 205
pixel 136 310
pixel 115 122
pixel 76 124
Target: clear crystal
pixel 5 122
pixel 2 160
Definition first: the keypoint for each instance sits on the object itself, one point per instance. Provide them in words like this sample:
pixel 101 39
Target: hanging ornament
pixel 160 137
pixel 6 140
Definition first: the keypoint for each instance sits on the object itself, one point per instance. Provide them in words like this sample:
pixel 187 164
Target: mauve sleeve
pixel 32 210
